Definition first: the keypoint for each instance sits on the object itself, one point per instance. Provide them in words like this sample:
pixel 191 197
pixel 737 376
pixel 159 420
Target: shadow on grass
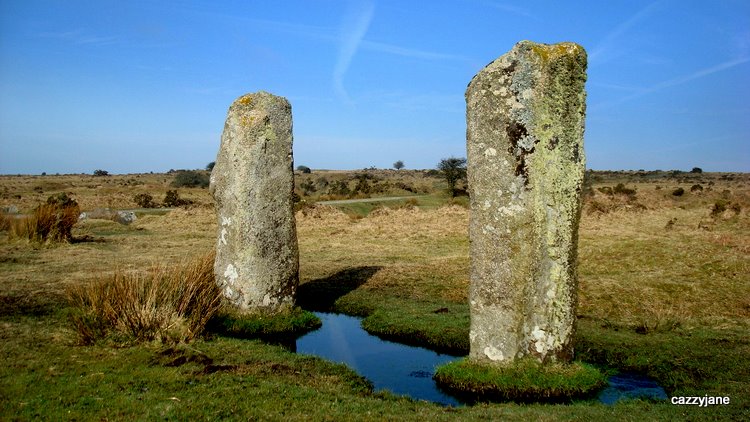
pixel 30 305
pixel 87 239
pixel 321 294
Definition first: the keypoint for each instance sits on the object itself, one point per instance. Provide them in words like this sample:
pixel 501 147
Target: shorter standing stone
pixel 525 120
pixel 252 182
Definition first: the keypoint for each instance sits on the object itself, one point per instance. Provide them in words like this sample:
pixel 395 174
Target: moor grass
pixel 663 291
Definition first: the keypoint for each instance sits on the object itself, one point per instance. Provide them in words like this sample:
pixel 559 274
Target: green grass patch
pixel 684 362
pixel 279 326
pixel 439 326
pixel 523 380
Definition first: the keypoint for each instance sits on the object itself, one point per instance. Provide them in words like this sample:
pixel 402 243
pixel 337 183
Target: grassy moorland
pixel 663 290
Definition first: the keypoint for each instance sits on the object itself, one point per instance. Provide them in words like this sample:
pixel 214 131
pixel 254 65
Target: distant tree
pixel 453 169
pixel 696 170
pixel 210 166
pixel 304 169
pixel 398 165
pixel 101 173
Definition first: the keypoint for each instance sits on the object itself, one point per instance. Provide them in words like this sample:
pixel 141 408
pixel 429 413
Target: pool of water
pixel 408 370
pixel 626 386
pixel 401 369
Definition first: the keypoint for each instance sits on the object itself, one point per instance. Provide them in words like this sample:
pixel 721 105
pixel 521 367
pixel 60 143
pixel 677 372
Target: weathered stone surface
pixel 525 121
pixel 257 260
pixel 125 217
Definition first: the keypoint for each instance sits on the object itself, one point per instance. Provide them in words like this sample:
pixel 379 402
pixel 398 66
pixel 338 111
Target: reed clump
pixel 167 304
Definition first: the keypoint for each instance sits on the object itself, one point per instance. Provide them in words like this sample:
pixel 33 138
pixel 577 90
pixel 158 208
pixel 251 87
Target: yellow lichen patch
pixel 247 120
pixel 551 52
pixel 245 100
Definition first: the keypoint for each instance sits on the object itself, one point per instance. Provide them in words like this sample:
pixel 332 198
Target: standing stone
pixel 525 120
pixel 252 182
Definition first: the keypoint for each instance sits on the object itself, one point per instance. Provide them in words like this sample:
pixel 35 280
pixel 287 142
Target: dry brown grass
pixel 165 304
pixel 633 270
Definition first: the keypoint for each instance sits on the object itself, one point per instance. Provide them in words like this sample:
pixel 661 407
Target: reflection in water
pixel 408 370
pixel 631 386
pixel 389 366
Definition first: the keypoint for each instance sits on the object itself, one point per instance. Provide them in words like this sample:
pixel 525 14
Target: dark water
pixel 408 370
pixel 631 386
pixel 401 369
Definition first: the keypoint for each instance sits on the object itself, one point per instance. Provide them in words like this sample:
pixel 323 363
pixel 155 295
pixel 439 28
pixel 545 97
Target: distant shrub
pixel 696 170
pixel 382 187
pixel 101 173
pixel 696 188
pixel 304 169
pixel 363 186
pixel 166 304
pixel 321 182
pixel 606 190
pixel 719 207
pixel 620 189
pixel 308 187
pixel 145 200
pixel 596 207
pixel 678 192
pixel 405 186
pixel 338 187
pixel 190 179
pixel 722 205
pixel 398 165
pixel 172 199
pixel 210 166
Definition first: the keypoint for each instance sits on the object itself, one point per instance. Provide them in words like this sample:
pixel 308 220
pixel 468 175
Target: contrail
pixel 353 30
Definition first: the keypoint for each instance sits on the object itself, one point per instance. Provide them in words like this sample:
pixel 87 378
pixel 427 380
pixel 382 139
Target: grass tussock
pixel 164 304
pixel 286 324
pixel 524 380
pixel 49 222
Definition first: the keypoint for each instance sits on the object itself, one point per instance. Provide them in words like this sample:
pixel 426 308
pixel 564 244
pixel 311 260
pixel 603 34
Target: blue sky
pixel 138 86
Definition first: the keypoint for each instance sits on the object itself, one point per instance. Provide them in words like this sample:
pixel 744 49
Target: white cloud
pixel 355 25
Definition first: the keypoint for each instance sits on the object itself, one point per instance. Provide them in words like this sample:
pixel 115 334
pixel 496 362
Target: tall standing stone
pixel 252 182
pixel 525 120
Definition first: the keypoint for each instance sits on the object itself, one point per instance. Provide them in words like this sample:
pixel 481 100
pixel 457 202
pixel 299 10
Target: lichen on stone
pixel 528 107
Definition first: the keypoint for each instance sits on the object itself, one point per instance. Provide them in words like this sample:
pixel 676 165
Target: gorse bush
pixel 338 187
pixel 145 200
pixel 620 189
pixel 52 221
pixel 190 179
pixel 164 304
pixel 172 199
